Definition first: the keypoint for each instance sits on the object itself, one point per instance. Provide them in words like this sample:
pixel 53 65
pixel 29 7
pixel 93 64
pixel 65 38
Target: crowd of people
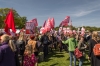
pixel 23 50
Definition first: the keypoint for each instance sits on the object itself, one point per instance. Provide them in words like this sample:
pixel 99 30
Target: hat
pixel 32 36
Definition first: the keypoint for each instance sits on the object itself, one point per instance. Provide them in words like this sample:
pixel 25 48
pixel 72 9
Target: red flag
pixel 9 22
pixel 52 23
pixel 44 24
pixel 35 22
pixel 48 25
pixel 42 30
pixel 60 24
pixel 63 24
pixel 65 21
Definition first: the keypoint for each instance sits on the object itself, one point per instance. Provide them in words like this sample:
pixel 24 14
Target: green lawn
pixel 59 59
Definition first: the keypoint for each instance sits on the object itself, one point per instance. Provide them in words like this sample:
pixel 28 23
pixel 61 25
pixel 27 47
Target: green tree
pixel 56 28
pixel 19 21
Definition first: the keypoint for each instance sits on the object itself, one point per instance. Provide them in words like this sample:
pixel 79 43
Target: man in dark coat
pixel 45 42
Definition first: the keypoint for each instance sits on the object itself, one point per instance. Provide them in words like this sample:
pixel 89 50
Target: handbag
pixel 78 53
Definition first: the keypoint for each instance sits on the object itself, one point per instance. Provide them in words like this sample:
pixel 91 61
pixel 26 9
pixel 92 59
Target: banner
pixel 35 22
pixel 29 27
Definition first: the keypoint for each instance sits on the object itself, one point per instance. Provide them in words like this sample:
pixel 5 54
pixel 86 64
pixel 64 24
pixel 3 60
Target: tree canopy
pixel 87 28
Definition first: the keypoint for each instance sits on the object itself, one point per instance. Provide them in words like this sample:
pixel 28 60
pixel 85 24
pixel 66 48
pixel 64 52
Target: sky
pixel 81 12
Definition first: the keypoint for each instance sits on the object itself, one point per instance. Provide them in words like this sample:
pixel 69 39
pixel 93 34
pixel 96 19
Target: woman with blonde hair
pixel 95 60
pixel 14 49
pixel 7 56
pixel 11 44
pixel 21 45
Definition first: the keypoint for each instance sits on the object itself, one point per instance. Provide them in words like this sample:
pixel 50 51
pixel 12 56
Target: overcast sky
pixel 82 12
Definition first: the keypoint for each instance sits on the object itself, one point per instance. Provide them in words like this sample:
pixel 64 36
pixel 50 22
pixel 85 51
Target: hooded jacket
pixel 72 43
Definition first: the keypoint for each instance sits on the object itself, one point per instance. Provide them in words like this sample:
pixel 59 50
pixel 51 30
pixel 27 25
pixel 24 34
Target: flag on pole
pixel 44 24
pixel 9 23
pixel 42 30
pixel 48 25
pixel 65 21
pixel 35 22
pixel 52 23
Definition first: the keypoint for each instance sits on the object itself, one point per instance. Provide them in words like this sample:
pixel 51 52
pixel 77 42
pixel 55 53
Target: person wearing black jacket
pixel 45 42
pixel 54 41
pixel 20 43
pixel 82 46
pixel 0 37
pixel 95 60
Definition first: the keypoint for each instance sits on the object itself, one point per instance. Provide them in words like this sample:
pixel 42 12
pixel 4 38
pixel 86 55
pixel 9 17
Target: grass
pixel 59 59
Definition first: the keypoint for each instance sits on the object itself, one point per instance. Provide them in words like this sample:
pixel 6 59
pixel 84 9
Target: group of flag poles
pixel 31 25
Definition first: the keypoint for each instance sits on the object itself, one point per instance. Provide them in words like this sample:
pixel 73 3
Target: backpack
pixel 78 53
pixel 19 43
pixel 21 46
pixel 96 49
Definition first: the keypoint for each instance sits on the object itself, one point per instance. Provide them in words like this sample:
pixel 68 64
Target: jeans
pixel 81 61
pixel 72 56
pixel 45 50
